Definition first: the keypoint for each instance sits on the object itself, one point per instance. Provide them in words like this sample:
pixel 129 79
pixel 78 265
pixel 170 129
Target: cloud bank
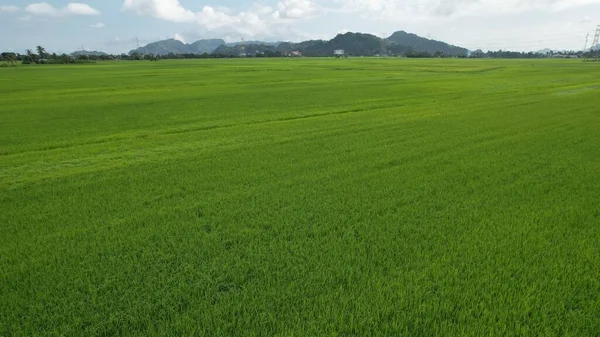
pixel 257 20
pixel 9 9
pixel 272 18
pixel 74 8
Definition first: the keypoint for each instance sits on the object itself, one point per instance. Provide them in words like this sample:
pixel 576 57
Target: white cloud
pixel 9 9
pixel 245 23
pixel 80 9
pixel 455 8
pixel 288 19
pixel 170 10
pixel 267 17
pixel 98 25
pixel 258 20
pixel 394 10
pixel 45 9
pixel 178 37
pixel 296 9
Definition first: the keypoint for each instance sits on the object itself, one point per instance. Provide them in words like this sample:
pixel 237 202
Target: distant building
pixel 296 54
pixel 338 52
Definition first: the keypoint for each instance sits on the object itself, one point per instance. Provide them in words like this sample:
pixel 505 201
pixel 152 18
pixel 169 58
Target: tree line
pixel 41 56
pixel 529 55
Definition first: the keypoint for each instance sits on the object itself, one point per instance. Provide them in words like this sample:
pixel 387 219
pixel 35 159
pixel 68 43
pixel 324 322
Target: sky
pixel 116 26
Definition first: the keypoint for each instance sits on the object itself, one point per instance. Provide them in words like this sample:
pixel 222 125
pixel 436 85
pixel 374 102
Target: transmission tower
pixel 596 38
pixel 243 47
pixel 587 37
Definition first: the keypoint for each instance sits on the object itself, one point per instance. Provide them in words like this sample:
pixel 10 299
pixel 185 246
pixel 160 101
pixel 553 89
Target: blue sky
pixel 115 25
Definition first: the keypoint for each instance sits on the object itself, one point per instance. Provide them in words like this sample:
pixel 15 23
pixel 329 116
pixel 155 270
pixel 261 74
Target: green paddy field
pixel 300 197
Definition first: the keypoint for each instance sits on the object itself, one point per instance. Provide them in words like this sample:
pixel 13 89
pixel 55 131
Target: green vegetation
pixel 300 197
pixel 421 44
pixel 356 44
pixel 172 46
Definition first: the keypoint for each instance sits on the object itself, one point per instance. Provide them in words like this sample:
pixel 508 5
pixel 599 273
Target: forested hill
pixel 172 46
pixel 421 44
pixel 356 44
pixel 359 44
pixel 352 43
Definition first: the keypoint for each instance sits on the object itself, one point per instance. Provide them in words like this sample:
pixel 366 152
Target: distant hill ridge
pixel 172 46
pixel 234 44
pixel 421 44
pixel 88 53
pixel 352 43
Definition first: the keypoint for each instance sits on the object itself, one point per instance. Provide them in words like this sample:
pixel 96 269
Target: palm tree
pixel 32 58
pixel 41 51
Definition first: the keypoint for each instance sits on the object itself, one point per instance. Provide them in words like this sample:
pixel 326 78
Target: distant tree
pixel 41 52
pixel 66 59
pixel 419 54
pixel 10 58
pixel 7 55
pixel 478 54
pixel 31 57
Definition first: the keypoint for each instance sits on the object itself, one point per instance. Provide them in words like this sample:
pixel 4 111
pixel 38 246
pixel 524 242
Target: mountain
pixel 162 48
pixel 307 48
pixel 172 46
pixel 88 53
pixel 235 44
pixel 248 49
pixel 359 44
pixel 205 46
pixel 354 44
pixel 421 44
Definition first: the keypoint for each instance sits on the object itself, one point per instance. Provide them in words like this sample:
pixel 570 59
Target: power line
pixel 541 39
pixel 565 37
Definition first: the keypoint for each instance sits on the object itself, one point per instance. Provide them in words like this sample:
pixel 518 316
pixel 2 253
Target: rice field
pixel 300 197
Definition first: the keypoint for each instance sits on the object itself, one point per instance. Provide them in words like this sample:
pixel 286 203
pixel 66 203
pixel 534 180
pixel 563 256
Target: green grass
pixel 305 197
